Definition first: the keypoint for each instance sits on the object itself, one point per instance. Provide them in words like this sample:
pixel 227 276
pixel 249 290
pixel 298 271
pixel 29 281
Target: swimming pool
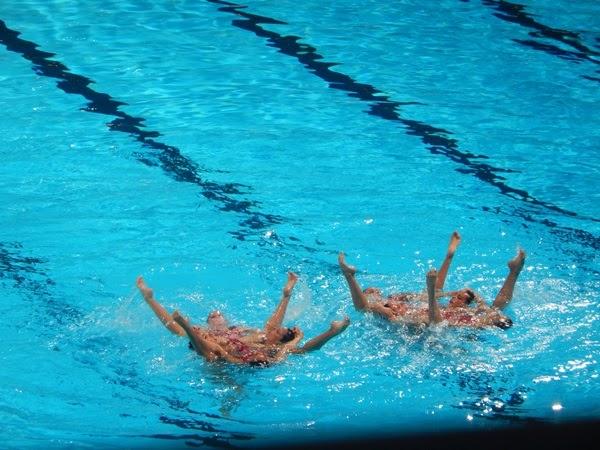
pixel 212 147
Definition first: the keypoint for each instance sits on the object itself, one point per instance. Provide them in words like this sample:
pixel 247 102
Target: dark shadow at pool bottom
pixel 573 434
pixel 576 434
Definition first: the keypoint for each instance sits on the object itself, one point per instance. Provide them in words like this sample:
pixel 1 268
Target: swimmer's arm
pixel 378 308
pixel 203 343
pixel 174 328
pixel 318 341
pixel 164 316
pixel 387 313
pixel 213 351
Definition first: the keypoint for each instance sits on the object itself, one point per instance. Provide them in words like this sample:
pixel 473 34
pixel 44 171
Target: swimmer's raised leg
pixel 358 296
pixel 276 319
pixel 158 309
pixel 505 294
pixel 443 272
pixel 434 313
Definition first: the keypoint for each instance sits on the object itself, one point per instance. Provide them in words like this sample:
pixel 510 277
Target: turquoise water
pixel 213 148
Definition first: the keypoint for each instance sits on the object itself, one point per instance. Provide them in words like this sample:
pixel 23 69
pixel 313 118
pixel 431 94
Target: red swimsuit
pixel 457 316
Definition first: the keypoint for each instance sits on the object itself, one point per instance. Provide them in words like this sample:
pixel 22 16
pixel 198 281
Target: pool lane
pixel 180 168
pixel 168 158
pixel 436 139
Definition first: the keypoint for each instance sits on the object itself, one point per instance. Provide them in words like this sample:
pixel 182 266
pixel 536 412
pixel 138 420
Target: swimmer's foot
pixel 516 264
pixel 147 293
pixel 291 282
pixel 454 242
pixel 346 269
pixel 337 326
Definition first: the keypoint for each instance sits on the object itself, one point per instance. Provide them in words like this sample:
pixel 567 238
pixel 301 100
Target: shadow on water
pixel 546 436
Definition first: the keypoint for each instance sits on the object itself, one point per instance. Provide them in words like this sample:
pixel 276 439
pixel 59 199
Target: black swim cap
pixel 503 323
pixel 288 336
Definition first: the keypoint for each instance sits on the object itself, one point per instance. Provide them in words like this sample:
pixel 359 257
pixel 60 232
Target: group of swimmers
pixel 251 346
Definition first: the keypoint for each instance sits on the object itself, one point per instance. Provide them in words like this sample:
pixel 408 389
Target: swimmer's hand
pixel 337 326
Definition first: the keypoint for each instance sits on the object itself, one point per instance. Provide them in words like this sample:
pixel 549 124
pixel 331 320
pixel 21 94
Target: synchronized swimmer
pixel 239 344
pixel 465 307
pixel 219 341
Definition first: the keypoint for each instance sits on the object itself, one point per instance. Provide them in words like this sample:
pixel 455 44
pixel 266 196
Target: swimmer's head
pixel 289 334
pixel 498 319
pixel 284 335
pixel 216 321
pixel 463 298
pixel 503 322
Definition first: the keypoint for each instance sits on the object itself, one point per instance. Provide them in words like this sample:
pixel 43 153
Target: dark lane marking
pixel 167 157
pixel 382 106
pixel 21 270
pixel 550 49
pixel 436 139
pixel 15 267
pixel 488 396
pixel 516 13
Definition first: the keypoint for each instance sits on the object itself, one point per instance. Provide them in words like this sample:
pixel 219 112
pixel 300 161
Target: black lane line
pixel 436 139
pixel 516 13
pixel 382 106
pixel 167 157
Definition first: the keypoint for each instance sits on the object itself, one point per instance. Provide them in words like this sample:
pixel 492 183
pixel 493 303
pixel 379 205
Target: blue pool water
pixel 212 147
